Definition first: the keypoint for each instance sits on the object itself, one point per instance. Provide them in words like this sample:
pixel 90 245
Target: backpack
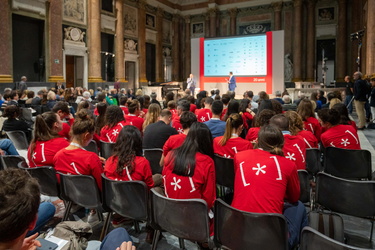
pixel 329 224
pixel 75 232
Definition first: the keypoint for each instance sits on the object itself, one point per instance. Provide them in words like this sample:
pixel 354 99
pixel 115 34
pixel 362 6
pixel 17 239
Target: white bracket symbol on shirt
pixel 260 169
pixel 300 151
pixel 355 138
pixel 290 156
pixel 115 132
pixel 175 183
pixel 345 142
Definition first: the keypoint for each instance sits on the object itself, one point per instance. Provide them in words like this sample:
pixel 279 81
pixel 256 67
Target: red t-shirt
pixel 176 124
pixel 110 134
pixel 201 186
pixel 135 121
pixel 125 110
pixel 312 124
pixel 295 150
pixel 352 123
pixel 79 162
pixel 309 139
pixel 341 136
pixel 203 115
pixel 246 117
pixel 141 171
pixel 232 147
pixel 66 129
pixel 174 141
pixel 252 134
pixel 44 152
pixel 223 114
pixel 193 107
pixel 262 181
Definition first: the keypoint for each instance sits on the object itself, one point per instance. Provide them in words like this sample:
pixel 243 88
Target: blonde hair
pixel 295 122
pixel 152 115
pixel 51 95
pixel 333 102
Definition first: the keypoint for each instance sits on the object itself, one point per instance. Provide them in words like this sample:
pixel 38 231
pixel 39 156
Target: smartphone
pixel 47 245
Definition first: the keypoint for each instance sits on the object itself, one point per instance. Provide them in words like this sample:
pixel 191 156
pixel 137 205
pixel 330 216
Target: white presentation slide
pixel 244 56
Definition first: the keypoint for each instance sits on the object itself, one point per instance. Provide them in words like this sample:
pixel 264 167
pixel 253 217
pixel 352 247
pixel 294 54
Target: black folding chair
pixel 348 163
pixel 106 149
pixel 81 190
pixel 224 169
pixel 92 147
pixel 313 164
pixel 311 239
pixel 10 161
pixel 153 155
pixel 19 139
pixel 126 198
pixel 304 186
pixel 355 198
pixel 185 218
pixel 236 229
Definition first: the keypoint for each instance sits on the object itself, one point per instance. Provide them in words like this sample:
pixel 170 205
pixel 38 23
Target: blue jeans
pixel 8 147
pixel 115 238
pixel 348 98
pixel 46 212
pixel 297 219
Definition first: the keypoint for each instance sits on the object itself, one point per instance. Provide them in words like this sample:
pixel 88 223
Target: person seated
pixel 278 97
pixel 344 115
pixel 193 107
pixel 261 119
pixel 7 147
pixel 21 213
pixel 294 147
pixel 189 170
pixel 247 113
pixel 123 101
pixel 205 114
pixel 337 135
pixel 62 110
pixel 115 121
pixel 264 179
pixel 133 118
pixel 230 144
pixel 46 142
pixel 216 126
pixel 152 115
pixel 296 128
pixel 12 112
pixel 127 162
pixel 187 119
pixel 288 105
pixel 182 106
pixel 306 110
pixel 74 159
pixel 14 97
pixel 51 99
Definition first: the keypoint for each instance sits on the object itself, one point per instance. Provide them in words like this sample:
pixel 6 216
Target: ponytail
pixel 234 121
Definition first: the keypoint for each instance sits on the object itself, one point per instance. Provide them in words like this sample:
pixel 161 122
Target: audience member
pixel 114 122
pixel 204 114
pixel 62 110
pixel 134 112
pixel 13 123
pixel 306 110
pixel 296 128
pixel 216 126
pixel 261 119
pixel 152 115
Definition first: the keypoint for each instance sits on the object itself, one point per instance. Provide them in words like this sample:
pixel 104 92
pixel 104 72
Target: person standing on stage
pixel 231 82
pixel 191 84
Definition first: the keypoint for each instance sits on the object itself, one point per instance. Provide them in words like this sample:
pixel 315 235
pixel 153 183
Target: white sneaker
pixel 93 217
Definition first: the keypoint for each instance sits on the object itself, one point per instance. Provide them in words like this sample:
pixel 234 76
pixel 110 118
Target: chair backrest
pixel 126 198
pixel 19 139
pixel 224 169
pixel 46 177
pixel 92 147
pixel 311 239
pixel 356 198
pixel 80 189
pixel 11 161
pixel 237 229
pixel 106 149
pixel 304 186
pixel 313 164
pixel 153 155
pixel 185 218
pixel 348 163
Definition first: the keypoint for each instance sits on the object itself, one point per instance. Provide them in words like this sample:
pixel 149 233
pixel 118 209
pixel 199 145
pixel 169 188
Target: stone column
pixel 5 43
pixel 176 48
pixel 119 42
pixel 159 46
pixel 207 25
pixel 297 41
pixel 370 36
pixel 212 12
pixel 94 41
pixel 277 6
pixel 233 21
pixel 187 46
pixel 55 60
pixel 341 56
pixel 310 60
pixel 142 40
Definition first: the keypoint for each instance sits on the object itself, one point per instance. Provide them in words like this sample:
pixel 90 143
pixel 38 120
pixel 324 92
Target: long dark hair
pixel 113 116
pixel 128 146
pixel 100 119
pixel 233 107
pixel 199 139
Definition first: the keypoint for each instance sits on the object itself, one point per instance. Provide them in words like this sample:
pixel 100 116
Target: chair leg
pixel 136 226
pixel 67 210
pixel 100 215
pixel 182 243
pixel 372 230
pixel 105 226
pixel 155 239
